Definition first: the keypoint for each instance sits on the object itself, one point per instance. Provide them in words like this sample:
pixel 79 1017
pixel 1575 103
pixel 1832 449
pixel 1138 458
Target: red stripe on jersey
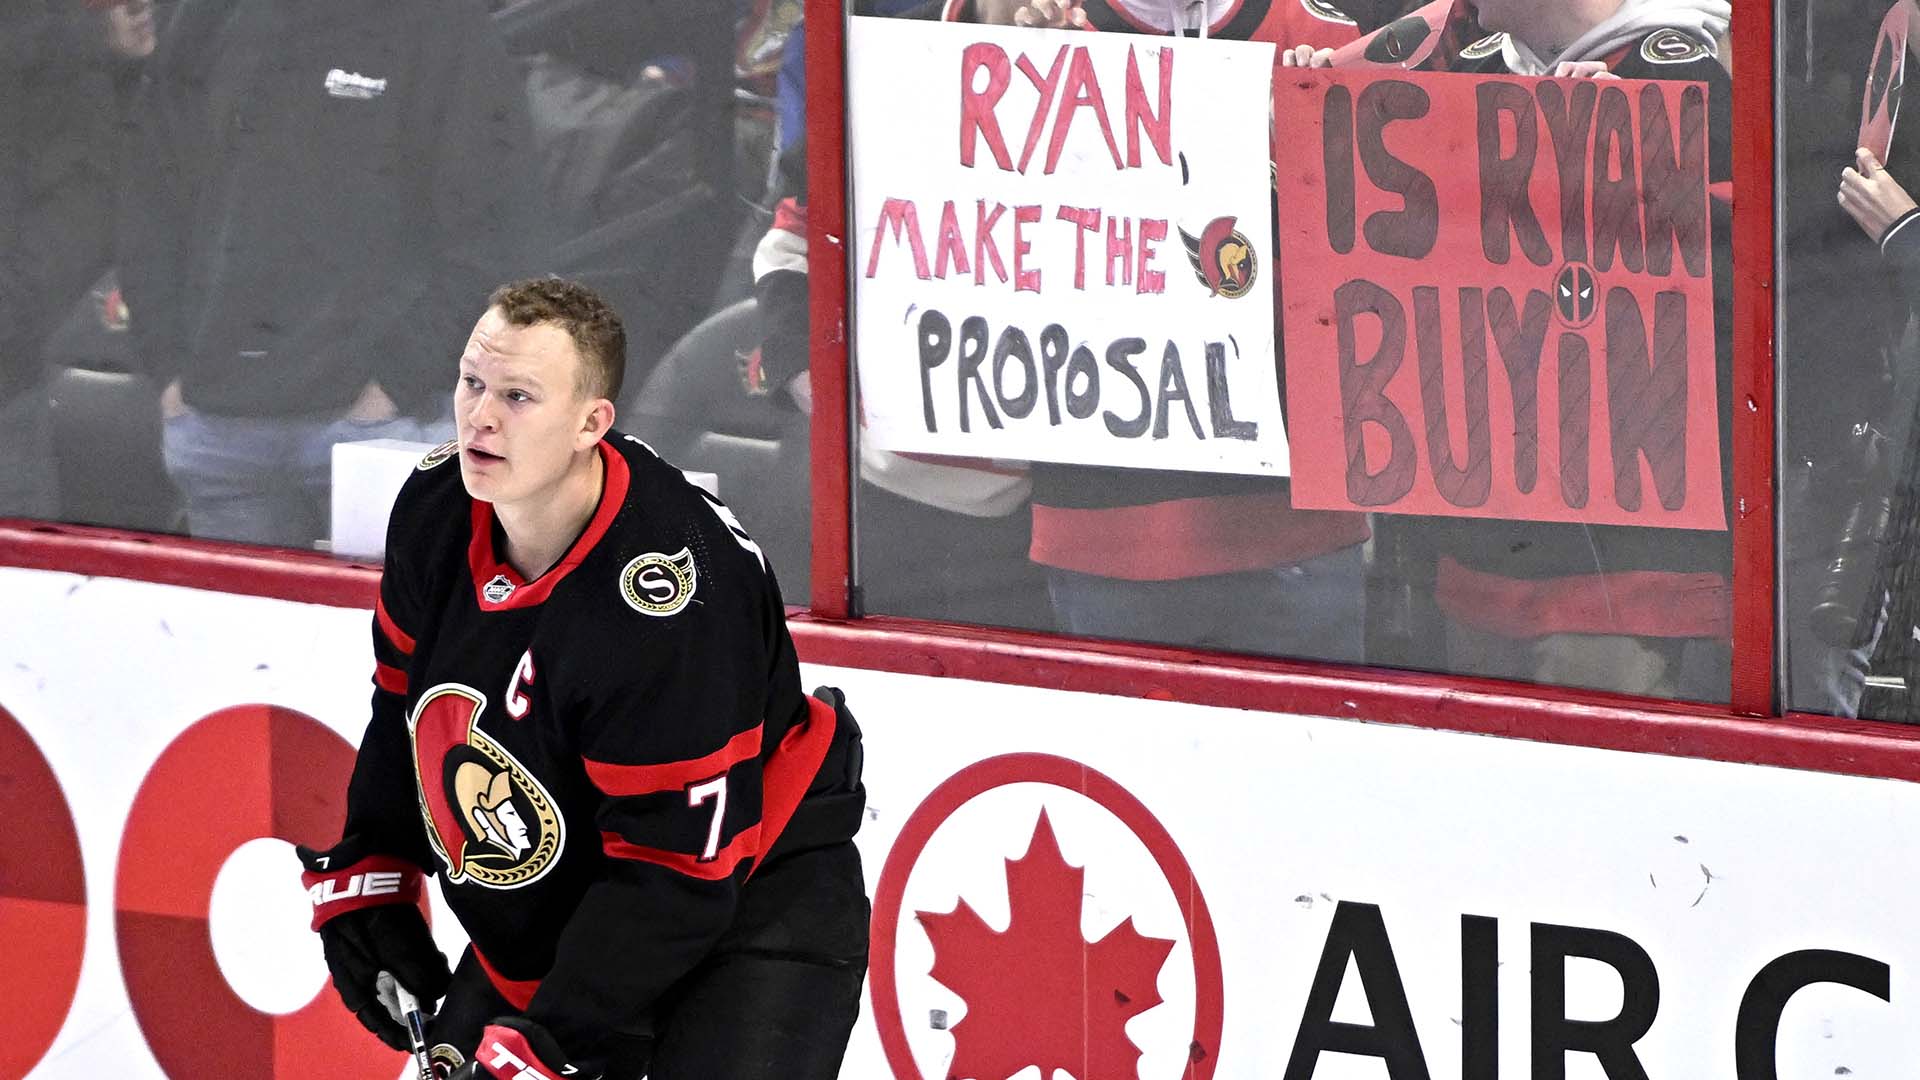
pixel 744 845
pixel 790 770
pixel 399 638
pixel 619 781
pixel 389 678
pixel 486 567
pixel 518 992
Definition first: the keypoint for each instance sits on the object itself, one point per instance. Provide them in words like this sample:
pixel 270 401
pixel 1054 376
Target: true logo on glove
pixel 359 885
pixel 491 822
pixel 504 1058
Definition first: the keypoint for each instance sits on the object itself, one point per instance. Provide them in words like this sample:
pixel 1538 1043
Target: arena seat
pixel 106 438
pixel 696 409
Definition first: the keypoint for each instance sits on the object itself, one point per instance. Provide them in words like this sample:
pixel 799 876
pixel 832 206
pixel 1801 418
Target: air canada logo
pixel 490 820
pixel 438 455
pixel 659 585
pixel 1672 47
pixel 1222 258
pixel 1033 914
pixel 1575 294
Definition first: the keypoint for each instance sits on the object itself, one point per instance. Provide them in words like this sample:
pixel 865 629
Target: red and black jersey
pixel 593 761
pixel 1524 579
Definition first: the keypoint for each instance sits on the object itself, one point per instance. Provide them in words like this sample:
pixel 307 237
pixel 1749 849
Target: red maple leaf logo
pixel 1037 993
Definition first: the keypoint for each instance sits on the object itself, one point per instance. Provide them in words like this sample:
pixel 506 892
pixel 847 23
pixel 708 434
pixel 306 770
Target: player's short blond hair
pixel 598 335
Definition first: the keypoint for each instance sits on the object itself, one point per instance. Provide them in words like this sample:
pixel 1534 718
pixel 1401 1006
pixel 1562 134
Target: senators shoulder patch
pixel 1672 47
pixel 1484 48
pixel 660 585
pixel 1321 9
pixel 439 455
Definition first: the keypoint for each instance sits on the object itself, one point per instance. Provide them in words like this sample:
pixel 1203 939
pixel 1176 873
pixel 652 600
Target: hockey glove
pixel 366 910
pixel 515 1048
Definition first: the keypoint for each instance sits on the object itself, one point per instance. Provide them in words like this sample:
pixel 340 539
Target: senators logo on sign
pixel 1222 258
pixel 490 820
pixel 659 585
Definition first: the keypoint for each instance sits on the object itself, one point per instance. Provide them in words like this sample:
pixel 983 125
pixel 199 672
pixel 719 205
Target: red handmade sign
pixel 1499 297
pixel 1886 77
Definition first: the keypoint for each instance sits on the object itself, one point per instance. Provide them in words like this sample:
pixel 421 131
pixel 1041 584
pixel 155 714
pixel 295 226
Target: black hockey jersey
pixel 593 761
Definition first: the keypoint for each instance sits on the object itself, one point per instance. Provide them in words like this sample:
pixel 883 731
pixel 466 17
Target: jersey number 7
pixel 716 791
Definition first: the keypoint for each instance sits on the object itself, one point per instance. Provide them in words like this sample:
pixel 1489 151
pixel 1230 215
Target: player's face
pixel 523 421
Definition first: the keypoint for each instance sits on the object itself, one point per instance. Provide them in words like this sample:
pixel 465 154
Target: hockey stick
pixel 416 1028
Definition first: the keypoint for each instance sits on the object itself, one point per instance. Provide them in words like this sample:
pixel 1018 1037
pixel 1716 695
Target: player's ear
pixel 598 421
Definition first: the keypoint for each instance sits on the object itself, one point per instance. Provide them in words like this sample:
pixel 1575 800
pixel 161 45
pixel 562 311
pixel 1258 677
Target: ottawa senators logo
pixel 659 585
pixel 1484 48
pixel 1222 258
pixel 444 1059
pixel 439 454
pixel 1672 47
pixel 490 821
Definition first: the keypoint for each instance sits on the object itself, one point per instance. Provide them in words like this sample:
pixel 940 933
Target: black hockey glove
pixel 366 909
pixel 516 1048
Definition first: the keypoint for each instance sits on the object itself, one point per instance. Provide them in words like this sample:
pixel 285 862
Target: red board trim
pixel 1754 629
pixel 1442 702
pixel 829 358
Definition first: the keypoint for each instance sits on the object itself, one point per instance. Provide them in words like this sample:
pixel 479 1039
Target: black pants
pixel 777 997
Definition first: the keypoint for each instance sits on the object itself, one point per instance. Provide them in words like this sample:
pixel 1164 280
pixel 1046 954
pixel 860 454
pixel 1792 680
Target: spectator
pixel 1636 610
pixel 56 131
pixel 1215 561
pixel 330 184
pixel 1881 206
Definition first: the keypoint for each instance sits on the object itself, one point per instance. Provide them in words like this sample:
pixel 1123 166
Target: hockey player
pixel 588 721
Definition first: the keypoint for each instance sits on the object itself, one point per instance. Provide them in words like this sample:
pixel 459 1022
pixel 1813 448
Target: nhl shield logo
pixel 490 820
pixel 497 590
pixel 659 585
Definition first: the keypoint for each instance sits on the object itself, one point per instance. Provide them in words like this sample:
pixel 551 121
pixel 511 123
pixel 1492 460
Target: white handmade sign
pixel 1062 246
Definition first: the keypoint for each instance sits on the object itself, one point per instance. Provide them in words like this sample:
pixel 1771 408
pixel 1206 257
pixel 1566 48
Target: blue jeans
pixel 1313 609
pixel 268 480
